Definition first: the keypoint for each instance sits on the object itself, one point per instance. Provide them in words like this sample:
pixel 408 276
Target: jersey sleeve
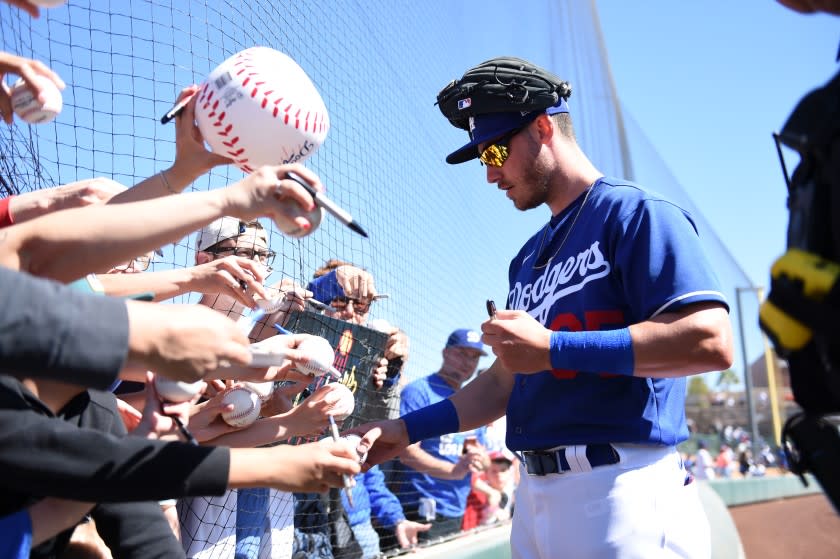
pixel 52 331
pixel 661 262
pixel 47 456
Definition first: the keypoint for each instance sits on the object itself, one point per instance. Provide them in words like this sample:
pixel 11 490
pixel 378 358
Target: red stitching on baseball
pixel 243 64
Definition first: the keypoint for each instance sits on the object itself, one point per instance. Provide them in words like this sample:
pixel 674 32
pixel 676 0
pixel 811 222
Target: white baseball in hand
pixel 176 391
pixel 259 107
pixel 246 406
pixel 263 390
pixel 27 106
pixel 343 402
pixel 318 357
pixel 292 229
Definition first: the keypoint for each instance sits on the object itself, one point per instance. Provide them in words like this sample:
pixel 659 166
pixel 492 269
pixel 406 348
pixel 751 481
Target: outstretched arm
pixel 67 245
pixel 217 276
pixel 192 159
pixel 477 404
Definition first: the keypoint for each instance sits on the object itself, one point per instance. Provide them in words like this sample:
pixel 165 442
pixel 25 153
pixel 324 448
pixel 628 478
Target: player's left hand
pixel 519 342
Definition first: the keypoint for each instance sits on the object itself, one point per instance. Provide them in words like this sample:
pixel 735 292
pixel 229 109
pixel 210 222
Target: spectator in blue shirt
pixel 433 477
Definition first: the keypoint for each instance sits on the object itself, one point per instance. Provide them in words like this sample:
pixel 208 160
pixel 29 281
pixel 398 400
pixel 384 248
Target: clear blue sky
pixel 708 82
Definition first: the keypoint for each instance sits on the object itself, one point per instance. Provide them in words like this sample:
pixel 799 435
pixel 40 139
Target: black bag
pixel 802 310
pixel 344 544
pixel 322 528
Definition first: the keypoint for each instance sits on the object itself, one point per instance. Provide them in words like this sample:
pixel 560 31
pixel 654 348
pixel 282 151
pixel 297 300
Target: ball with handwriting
pixel 246 406
pixel 262 389
pixel 176 391
pixel 340 398
pixel 318 356
pixel 27 106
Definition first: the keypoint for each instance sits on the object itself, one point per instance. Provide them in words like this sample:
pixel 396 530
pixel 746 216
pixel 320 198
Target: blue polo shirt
pixel 450 495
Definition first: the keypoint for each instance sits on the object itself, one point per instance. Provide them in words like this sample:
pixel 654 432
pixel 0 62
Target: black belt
pixel 544 462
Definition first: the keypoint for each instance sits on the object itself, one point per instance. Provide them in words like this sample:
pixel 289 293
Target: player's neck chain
pixel 566 236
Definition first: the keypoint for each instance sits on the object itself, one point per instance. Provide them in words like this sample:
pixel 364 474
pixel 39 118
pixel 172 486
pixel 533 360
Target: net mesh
pixel 440 237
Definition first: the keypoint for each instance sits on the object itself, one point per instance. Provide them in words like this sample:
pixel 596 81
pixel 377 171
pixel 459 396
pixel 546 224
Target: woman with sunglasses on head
pixel 611 305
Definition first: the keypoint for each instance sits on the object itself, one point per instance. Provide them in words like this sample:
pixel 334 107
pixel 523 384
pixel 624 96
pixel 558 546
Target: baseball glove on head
pixel 501 84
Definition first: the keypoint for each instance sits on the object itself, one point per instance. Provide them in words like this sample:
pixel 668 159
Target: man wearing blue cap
pixel 432 479
pixel 611 304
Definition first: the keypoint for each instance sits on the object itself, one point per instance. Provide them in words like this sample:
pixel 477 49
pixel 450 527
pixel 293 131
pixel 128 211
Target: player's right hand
pixel 382 439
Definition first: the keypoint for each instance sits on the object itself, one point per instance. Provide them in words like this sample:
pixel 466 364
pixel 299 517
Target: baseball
pixel 27 106
pixel 343 402
pixel 176 391
pixel 263 390
pixel 318 357
pixel 246 406
pixel 354 440
pixel 291 229
pixel 259 107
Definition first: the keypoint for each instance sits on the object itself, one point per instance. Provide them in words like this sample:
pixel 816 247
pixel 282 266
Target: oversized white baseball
pixel 259 107
pixel 353 441
pixel 48 3
pixel 176 391
pixel 263 390
pixel 318 357
pixel 341 397
pixel 27 106
pixel 246 406
pixel 292 229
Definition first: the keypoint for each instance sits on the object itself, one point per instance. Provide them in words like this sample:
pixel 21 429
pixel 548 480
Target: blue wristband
pixel 431 421
pixel 600 351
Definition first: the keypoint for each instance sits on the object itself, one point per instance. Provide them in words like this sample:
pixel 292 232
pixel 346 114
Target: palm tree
pixel 727 379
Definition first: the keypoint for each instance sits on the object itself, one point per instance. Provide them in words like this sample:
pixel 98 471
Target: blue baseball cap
pixel 489 126
pixel 464 337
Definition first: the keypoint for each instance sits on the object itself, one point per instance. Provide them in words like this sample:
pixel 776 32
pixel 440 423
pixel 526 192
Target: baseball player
pixel 611 305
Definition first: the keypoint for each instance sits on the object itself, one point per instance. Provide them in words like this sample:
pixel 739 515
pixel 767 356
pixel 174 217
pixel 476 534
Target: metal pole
pixel 770 363
pixel 747 377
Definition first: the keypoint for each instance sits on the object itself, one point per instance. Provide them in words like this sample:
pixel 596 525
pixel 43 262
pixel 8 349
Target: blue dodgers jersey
pixel 629 256
pixel 450 495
